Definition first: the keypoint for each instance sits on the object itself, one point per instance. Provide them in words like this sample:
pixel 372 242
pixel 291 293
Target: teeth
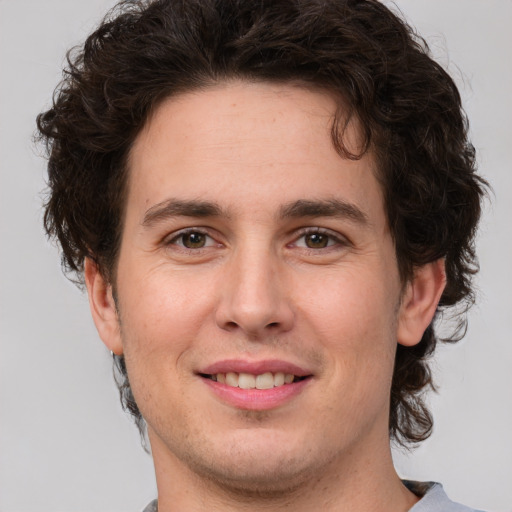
pixel 266 380
pixel 246 381
pixel 231 379
pixel 279 379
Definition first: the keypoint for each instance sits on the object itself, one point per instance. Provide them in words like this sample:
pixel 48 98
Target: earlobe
pixel 103 307
pixel 419 302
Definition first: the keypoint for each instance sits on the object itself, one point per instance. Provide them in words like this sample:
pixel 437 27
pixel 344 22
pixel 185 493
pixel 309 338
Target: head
pixel 381 80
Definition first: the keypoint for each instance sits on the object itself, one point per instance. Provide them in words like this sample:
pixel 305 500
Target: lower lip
pixel 257 399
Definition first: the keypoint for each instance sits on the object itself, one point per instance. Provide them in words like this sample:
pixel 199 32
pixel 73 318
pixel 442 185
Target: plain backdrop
pixel 65 444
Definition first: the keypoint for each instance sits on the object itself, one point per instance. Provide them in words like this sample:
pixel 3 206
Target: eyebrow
pixel 324 208
pixel 296 209
pixel 180 208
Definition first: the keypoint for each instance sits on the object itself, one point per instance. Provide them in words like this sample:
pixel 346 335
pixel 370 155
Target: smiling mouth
pixel 267 380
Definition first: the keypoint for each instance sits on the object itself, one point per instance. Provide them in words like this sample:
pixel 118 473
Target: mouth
pixel 256 385
pixel 267 380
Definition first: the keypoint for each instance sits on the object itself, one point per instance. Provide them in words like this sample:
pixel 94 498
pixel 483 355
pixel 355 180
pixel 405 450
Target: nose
pixel 255 296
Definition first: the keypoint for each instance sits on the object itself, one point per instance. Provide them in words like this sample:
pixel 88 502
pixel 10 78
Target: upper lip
pixel 254 367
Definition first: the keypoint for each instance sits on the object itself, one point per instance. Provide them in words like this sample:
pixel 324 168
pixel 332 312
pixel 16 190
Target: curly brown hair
pixel 407 105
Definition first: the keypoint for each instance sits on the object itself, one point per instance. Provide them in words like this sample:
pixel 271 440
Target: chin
pixel 254 467
pixel 259 479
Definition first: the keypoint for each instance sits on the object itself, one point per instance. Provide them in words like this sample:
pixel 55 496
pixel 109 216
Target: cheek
pixel 163 311
pixel 161 320
pixel 356 325
pixel 351 306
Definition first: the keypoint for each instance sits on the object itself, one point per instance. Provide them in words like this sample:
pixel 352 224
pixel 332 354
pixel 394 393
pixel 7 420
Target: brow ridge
pixel 180 208
pixel 324 208
pixel 301 208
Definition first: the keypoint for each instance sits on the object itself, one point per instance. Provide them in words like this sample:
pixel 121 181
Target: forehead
pixel 240 142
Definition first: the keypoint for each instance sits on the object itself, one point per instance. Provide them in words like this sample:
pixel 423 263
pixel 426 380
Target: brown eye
pixel 193 240
pixel 316 240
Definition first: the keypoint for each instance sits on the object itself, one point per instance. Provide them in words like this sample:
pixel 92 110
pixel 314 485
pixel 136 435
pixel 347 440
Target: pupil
pixel 316 241
pixel 193 240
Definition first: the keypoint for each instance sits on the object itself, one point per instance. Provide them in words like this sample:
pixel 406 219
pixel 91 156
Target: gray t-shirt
pixel 433 499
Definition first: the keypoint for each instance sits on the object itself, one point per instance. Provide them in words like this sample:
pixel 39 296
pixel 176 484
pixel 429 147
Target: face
pixel 257 288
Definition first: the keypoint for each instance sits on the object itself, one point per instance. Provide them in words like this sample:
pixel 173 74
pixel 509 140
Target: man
pixel 269 202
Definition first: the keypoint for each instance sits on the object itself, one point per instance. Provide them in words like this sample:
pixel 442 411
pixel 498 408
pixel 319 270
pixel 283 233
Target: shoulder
pixel 152 507
pixel 434 498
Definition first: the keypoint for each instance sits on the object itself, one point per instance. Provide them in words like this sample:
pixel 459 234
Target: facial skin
pixel 249 244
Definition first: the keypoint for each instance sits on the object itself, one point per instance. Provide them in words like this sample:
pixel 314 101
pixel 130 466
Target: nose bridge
pixel 253 296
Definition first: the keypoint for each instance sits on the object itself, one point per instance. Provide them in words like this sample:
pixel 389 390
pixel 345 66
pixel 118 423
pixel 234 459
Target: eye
pixel 318 239
pixel 192 239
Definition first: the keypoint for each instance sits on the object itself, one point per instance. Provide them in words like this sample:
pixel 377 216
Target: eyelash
pixel 336 239
pixel 184 232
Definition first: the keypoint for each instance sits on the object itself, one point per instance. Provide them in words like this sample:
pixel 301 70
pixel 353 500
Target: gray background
pixel 64 442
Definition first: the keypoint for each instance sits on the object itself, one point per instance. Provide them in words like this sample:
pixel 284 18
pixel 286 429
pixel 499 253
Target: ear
pixel 103 307
pixel 419 302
